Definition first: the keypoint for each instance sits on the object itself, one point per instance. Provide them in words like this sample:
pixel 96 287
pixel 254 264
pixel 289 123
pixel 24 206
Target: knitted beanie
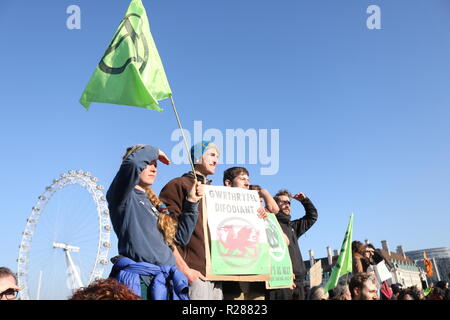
pixel 200 148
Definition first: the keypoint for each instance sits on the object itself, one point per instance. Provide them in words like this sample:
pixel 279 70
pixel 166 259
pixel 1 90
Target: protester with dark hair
pixel 442 285
pixel 445 288
pixel 417 292
pixel 293 230
pixel 191 258
pixel 369 254
pixel 238 177
pixel 8 284
pixel 408 294
pixel 396 289
pixel 439 291
pixel 375 256
pixel 363 287
pixel 373 259
pixel 437 294
pixel 145 229
pixel 360 262
pixel 105 289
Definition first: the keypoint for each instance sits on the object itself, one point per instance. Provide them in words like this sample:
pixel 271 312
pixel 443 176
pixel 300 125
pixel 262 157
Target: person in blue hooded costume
pixel 146 230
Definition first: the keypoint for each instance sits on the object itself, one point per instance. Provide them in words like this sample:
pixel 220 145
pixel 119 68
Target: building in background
pixel 404 269
pixel 440 258
pixel 327 265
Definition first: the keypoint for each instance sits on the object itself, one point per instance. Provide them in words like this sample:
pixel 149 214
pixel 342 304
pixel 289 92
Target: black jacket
pixel 293 230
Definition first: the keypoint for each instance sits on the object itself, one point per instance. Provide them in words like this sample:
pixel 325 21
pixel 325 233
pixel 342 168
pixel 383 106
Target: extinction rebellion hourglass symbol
pixel 139 42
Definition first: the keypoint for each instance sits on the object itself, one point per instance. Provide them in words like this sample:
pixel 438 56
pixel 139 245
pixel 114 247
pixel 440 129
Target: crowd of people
pixel 364 285
pixel 161 240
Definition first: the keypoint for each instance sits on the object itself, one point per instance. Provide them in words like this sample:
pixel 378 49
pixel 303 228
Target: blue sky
pixel 362 114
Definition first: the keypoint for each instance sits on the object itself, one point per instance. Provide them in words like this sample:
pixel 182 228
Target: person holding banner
pixel 145 230
pixel 191 258
pixel 238 177
pixel 381 267
pixel 293 230
pixel 374 256
pixel 266 202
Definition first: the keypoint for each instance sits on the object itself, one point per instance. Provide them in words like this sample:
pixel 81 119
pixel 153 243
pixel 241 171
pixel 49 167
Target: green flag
pixel 130 72
pixel 344 263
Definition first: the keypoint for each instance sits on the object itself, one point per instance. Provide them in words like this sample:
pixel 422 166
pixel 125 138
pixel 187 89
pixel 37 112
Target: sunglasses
pixel 10 294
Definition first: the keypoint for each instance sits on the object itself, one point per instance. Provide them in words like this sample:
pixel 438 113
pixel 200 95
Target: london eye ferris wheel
pixel 66 239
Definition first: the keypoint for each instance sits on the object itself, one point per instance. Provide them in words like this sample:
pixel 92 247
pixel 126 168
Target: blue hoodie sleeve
pixel 187 222
pixel 128 176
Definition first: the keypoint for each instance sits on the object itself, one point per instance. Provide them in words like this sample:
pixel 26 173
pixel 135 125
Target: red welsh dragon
pixel 245 238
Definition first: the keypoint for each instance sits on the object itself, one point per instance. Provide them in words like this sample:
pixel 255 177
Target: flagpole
pixel 184 138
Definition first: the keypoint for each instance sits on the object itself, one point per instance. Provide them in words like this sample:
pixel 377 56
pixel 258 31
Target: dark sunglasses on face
pixel 9 294
pixel 285 202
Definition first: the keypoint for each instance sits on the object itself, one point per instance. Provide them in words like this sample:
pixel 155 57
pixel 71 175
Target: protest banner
pixel 281 275
pixel 382 272
pixel 238 250
pixel 315 274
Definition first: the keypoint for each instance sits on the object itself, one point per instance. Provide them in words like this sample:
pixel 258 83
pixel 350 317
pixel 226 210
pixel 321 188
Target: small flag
pixel 428 265
pixel 386 290
pixel 130 72
pixel 344 263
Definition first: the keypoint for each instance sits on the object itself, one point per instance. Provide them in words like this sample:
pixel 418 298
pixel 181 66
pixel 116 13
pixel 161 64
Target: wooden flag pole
pixel 184 138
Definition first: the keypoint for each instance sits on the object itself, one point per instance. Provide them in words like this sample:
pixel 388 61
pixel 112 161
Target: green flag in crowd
pixel 130 72
pixel 344 263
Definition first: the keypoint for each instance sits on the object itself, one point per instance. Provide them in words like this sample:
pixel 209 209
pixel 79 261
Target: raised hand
pixel 163 158
pixel 299 196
